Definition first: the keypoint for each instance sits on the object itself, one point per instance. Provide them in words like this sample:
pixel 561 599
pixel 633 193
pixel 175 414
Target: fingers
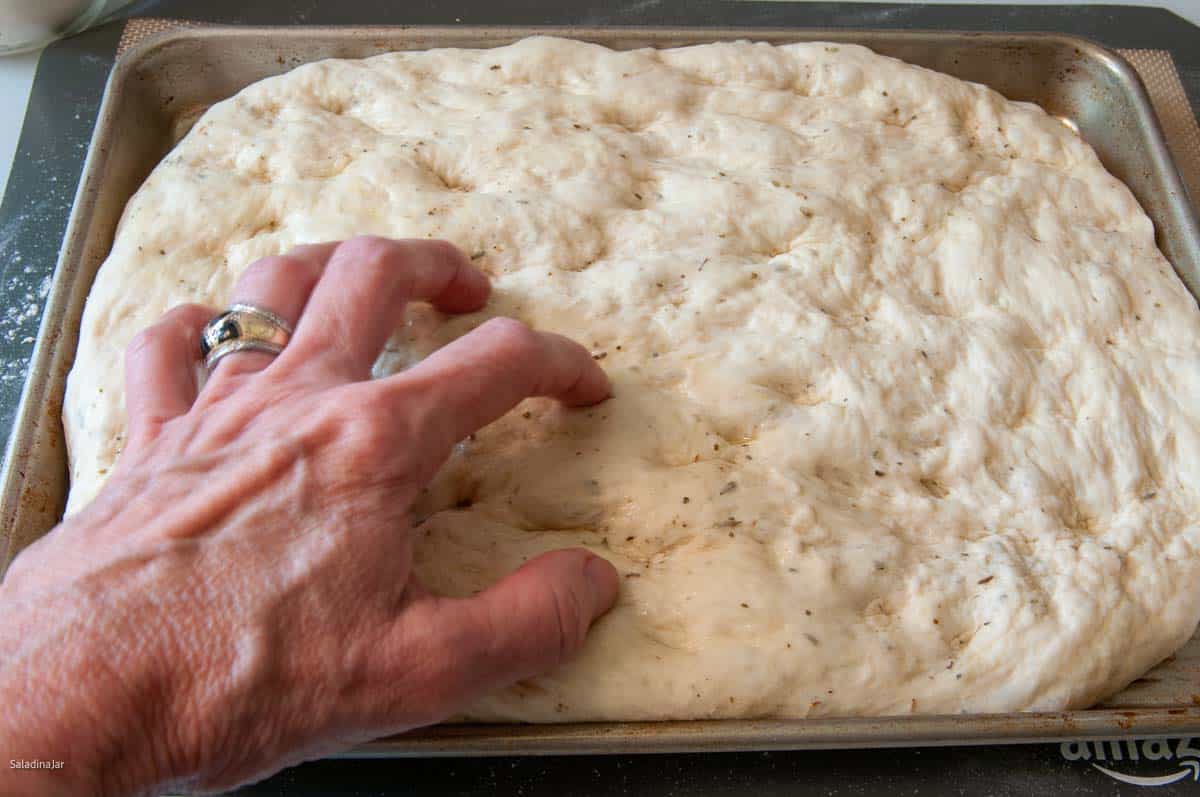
pixel 281 284
pixel 360 298
pixel 471 382
pixel 528 623
pixel 345 298
pixel 160 372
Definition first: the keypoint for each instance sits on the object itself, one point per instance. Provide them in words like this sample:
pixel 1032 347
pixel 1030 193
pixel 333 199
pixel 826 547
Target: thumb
pixel 533 620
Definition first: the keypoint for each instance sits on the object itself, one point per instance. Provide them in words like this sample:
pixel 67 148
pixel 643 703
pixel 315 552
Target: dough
pixel 905 410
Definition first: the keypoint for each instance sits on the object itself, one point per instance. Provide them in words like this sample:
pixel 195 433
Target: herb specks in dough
pixel 946 268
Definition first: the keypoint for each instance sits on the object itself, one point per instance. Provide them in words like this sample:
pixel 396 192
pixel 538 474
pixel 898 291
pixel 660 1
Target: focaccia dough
pixel 905 413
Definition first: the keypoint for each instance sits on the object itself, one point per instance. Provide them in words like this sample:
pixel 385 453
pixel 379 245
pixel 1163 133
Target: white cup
pixel 29 24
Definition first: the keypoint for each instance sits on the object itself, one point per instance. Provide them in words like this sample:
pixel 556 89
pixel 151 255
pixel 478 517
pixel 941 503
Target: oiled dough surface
pixel 906 398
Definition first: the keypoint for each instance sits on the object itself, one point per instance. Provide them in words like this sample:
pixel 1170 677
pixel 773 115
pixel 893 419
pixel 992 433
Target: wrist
pixel 72 692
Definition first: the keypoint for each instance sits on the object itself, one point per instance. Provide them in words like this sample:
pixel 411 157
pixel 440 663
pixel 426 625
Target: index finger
pixel 361 295
pixel 471 382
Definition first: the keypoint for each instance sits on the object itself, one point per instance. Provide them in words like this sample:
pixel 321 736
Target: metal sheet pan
pixel 158 88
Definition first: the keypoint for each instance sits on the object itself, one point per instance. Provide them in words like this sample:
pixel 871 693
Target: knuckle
pixel 365 433
pixel 284 268
pixel 232 372
pixel 444 250
pixel 568 610
pixel 187 317
pixel 369 425
pixel 368 252
pixel 224 382
pixel 146 340
pixel 371 408
pixel 510 333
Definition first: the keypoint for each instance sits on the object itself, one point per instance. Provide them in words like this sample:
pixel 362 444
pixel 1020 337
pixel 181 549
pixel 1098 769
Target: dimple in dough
pixel 905 408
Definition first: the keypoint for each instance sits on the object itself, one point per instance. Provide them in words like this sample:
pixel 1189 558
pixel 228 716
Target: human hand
pixel 239 596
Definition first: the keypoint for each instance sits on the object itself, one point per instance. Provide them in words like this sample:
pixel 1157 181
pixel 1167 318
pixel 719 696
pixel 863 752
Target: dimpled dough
pixel 904 414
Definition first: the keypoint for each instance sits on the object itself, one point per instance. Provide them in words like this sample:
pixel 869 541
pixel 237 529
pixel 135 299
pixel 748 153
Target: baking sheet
pixel 169 78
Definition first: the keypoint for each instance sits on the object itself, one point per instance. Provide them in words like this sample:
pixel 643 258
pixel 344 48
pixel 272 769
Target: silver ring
pixel 243 327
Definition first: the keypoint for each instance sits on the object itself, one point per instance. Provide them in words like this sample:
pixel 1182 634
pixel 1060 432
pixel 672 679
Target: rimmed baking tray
pixel 160 86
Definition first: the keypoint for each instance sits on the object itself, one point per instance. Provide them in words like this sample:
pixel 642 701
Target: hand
pixel 238 597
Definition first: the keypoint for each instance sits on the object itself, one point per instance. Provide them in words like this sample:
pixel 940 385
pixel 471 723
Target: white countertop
pixel 16 75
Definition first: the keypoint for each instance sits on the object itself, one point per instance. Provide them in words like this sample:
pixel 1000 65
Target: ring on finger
pixel 243 327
